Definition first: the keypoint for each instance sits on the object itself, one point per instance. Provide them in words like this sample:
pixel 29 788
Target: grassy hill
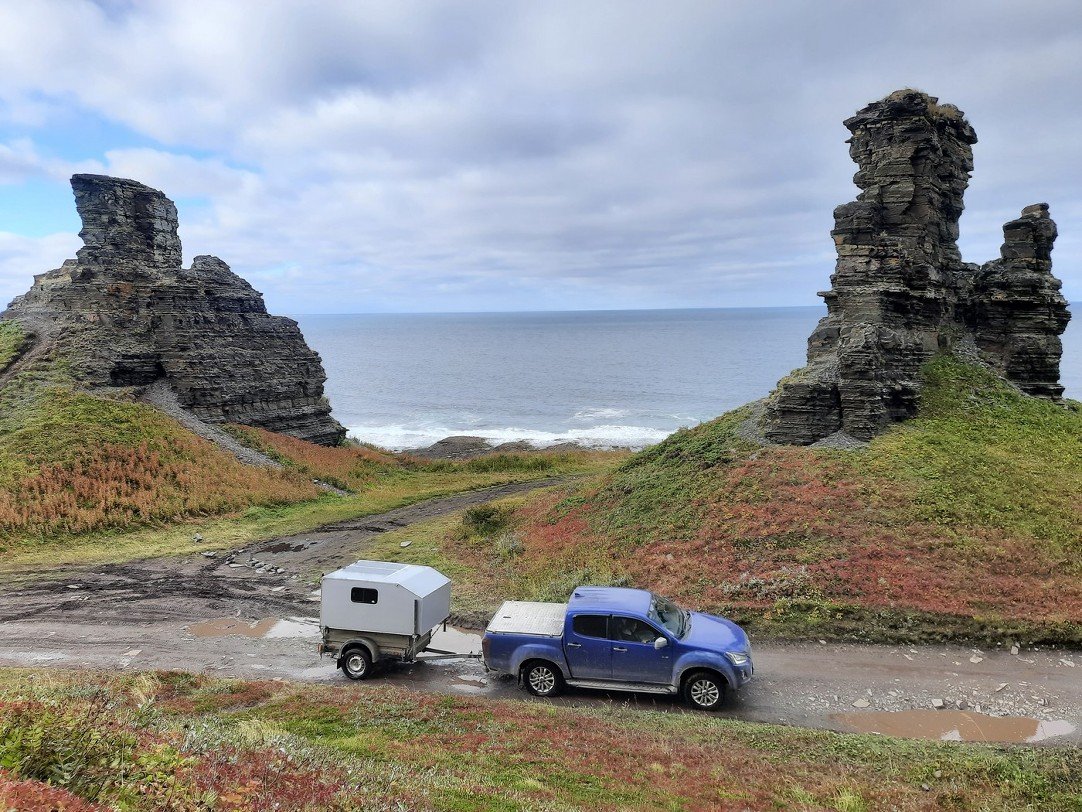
pixel 190 742
pixel 86 477
pixel 964 522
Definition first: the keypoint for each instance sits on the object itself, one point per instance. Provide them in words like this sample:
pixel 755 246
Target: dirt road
pixel 254 614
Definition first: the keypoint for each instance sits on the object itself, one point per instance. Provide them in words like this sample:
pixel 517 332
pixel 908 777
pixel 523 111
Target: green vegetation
pixel 87 479
pixel 190 742
pixel 12 340
pixel 963 523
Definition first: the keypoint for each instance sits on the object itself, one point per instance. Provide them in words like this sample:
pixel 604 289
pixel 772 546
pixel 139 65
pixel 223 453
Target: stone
pixel 1014 649
pixel 900 292
pixel 125 313
pixel 861 703
pixel 457 447
pixel 976 658
pixel 938 704
pixel 1000 687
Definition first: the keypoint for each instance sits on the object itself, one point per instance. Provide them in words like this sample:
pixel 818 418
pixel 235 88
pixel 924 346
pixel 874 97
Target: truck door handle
pixel 618 648
pixel 574 645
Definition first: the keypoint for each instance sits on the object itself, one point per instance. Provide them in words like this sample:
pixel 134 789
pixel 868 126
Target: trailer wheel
pixel 542 678
pixel 356 664
pixel 704 690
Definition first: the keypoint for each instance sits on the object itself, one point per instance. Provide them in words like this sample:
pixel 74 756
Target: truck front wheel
pixel 542 678
pixel 356 664
pixel 704 690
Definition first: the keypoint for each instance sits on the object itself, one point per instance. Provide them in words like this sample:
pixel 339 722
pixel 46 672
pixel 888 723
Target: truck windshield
pixel 669 615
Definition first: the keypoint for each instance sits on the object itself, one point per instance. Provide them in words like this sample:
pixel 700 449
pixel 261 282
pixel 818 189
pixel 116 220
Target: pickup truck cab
pixel 613 638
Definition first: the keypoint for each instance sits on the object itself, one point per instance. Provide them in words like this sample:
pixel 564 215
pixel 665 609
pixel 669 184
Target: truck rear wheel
pixel 704 690
pixel 356 663
pixel 542 678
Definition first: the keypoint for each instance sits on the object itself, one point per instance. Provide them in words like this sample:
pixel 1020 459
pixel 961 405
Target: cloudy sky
pixel 398 156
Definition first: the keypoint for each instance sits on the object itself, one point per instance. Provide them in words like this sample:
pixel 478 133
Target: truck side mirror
pixel 660 643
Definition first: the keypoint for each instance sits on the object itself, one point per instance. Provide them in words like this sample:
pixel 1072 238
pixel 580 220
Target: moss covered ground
pixel 191 742
pixel 12 339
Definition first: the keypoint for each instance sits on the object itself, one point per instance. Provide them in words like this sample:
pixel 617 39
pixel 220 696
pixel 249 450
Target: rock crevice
pixel 126 313
pixel 900 292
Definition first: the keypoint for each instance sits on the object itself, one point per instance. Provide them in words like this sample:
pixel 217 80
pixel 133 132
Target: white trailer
pixel 375 611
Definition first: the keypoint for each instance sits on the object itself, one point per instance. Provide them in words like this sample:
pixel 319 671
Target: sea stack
pixel 900 292
pixel 124 313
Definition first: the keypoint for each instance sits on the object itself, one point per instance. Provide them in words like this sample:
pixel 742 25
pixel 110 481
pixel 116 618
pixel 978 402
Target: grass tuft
pixel 151 741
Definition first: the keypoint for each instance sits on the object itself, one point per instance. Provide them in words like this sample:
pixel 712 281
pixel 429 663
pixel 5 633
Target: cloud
pixel 23 257
pixel 513 155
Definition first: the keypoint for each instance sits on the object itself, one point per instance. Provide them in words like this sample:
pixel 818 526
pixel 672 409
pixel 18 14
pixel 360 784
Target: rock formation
pixel 901 293
pixel 124 313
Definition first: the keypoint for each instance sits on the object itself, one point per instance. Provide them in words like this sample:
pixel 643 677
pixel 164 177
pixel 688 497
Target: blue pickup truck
pixel 613 638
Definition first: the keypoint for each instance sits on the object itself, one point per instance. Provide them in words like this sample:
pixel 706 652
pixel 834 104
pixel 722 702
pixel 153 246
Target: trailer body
pixel 380 610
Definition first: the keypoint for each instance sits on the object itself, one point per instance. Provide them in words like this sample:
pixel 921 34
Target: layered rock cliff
pixel 125 313
pixel 900 292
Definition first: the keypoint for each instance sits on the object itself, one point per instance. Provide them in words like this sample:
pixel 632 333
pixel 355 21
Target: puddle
pixel 285 547
pixel 455 641
pixel 268 627
pixel 957 726
pixel 295 627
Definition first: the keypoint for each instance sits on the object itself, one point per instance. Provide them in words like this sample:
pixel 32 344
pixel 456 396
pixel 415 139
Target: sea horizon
pixel 599 378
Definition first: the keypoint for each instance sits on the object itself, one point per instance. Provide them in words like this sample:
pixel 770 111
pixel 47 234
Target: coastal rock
pixel 1018 310
pixel 900 292
pixel 456 447
pixel 124 313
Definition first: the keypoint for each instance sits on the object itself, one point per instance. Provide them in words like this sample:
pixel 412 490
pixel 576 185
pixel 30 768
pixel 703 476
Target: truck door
pixel 587 647
pixel 634 658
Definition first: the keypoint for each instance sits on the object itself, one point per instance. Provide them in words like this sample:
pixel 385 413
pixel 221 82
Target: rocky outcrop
pixel 900 292
pixel 124 313
pixel 1017 313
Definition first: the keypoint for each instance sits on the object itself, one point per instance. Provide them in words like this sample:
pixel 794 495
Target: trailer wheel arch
pixel 371 648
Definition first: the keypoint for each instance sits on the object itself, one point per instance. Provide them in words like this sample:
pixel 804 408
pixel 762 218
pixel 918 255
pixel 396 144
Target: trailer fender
pixel 539 651
pixel 363 642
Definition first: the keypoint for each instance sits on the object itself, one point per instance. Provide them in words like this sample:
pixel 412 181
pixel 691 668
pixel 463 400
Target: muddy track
pixel 272 577
pixel 149 615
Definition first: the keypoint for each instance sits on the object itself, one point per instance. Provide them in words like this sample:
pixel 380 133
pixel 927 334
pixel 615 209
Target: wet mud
pixel 226 626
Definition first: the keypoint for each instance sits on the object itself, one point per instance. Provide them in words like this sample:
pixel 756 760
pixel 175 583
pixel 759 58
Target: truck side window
pixel 591 625
pixel 361 594
pixel 632 630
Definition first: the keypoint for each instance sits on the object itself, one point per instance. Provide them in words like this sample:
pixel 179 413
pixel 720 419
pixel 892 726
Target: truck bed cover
pixel 529 617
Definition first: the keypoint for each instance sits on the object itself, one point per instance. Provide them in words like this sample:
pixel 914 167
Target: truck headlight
pixel 736 657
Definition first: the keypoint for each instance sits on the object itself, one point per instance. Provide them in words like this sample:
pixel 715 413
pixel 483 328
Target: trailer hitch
pixel 444 655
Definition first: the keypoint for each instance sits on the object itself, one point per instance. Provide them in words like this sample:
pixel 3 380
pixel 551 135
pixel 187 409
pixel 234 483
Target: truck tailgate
pixel 529 617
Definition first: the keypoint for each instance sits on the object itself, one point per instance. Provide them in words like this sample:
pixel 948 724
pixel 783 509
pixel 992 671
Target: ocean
pixel 600 378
